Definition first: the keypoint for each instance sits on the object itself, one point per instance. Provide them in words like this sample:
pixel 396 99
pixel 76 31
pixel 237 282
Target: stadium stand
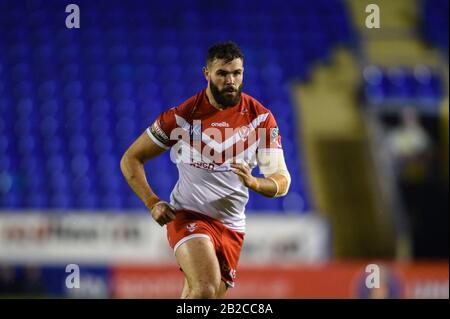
pixel 72 100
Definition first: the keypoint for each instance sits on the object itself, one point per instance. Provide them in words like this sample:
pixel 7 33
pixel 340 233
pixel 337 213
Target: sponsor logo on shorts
pixel 231 271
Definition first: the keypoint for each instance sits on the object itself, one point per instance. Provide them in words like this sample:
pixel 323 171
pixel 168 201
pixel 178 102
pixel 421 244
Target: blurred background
pixel 363 113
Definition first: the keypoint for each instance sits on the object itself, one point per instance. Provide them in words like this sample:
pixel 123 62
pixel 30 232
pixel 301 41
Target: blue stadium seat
pixel 53 145
pixel 96 71
pixel 20 52
pixel 125 108
pixel 172 74
pixel 47 90
pixel 103 144
pixel 123 90
pixel 50 107
pixel 122 72
pixel 86 200
pixel 192 56
pixel 75 126
pixel 70 51
pixel 397 83
pixel 98 89
pixel 133 201
pixel 82 184
pixel 78 144
pixel 60 200
pixel 75 108
pixel 147 91
pixel 23 88
pixel 118 53
pixel 173 93
pixel 70 71
pixel 79 165
pixel 294 202
pixel 263 203
pixel 125 128
pixel 56 164
pixel 72 90
pixel 143 54
pixel 37 200
pixel 12 200
pixel 146 72
pixel 4 145
pixel 58 181
pixel 34 181
pixel 100 108
pixel 26 145
pixel 111 201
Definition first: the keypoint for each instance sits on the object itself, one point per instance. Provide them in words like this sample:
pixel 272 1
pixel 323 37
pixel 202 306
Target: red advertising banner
pixel 330 280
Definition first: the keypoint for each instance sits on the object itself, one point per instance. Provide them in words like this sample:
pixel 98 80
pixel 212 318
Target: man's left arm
pixel 276 179
pixel 270 159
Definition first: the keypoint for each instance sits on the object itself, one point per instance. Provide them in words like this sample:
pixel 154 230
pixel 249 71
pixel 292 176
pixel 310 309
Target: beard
pixel 223 98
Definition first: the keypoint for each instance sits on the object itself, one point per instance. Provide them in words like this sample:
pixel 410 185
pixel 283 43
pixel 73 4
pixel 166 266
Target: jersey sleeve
pixel 162 127
pixel 269 134
pixel 173 123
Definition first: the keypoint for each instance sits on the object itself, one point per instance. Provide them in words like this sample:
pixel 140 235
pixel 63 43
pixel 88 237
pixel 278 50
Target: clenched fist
pixel 163 213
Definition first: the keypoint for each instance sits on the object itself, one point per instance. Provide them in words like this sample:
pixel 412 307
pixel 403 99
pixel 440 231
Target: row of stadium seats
pixel 73 100
pixel 396 85
pixel 267 81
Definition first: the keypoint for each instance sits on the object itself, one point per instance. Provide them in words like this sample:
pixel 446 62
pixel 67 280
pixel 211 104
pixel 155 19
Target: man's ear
pixel 206 72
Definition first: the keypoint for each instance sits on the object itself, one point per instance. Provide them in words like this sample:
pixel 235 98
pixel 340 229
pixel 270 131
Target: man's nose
pixel 229 79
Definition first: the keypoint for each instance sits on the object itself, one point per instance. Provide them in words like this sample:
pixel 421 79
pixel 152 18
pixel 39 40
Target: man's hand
pixel 163 213
pixel 245 175
pixel 268 186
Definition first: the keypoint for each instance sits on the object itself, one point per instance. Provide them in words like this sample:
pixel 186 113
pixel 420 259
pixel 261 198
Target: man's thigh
pixel 197 258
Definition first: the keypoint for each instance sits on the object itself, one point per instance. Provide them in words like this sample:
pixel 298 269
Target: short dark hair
pixel 227 51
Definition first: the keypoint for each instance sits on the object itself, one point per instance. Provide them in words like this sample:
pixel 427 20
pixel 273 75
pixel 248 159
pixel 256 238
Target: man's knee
pixel 204 291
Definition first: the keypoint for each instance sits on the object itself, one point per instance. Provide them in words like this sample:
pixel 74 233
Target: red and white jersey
pixel 204 142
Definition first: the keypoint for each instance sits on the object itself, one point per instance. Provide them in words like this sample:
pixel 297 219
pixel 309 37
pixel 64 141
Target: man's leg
pixel 200 265
pixel 185 291
pixel 222 289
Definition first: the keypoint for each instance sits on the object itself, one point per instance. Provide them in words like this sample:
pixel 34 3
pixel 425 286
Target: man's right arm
pixel 132 166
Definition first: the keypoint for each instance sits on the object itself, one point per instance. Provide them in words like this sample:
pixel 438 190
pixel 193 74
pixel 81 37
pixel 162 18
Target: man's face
pixel 225 81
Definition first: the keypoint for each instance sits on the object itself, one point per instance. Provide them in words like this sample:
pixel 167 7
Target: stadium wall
pixel 127 256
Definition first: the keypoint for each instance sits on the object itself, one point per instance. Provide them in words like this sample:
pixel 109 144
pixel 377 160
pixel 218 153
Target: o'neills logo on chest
pixel 220 124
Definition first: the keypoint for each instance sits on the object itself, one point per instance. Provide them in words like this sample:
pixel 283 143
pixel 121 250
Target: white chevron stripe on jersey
pixel 190 153
pixel 235 138
pixel 181 122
